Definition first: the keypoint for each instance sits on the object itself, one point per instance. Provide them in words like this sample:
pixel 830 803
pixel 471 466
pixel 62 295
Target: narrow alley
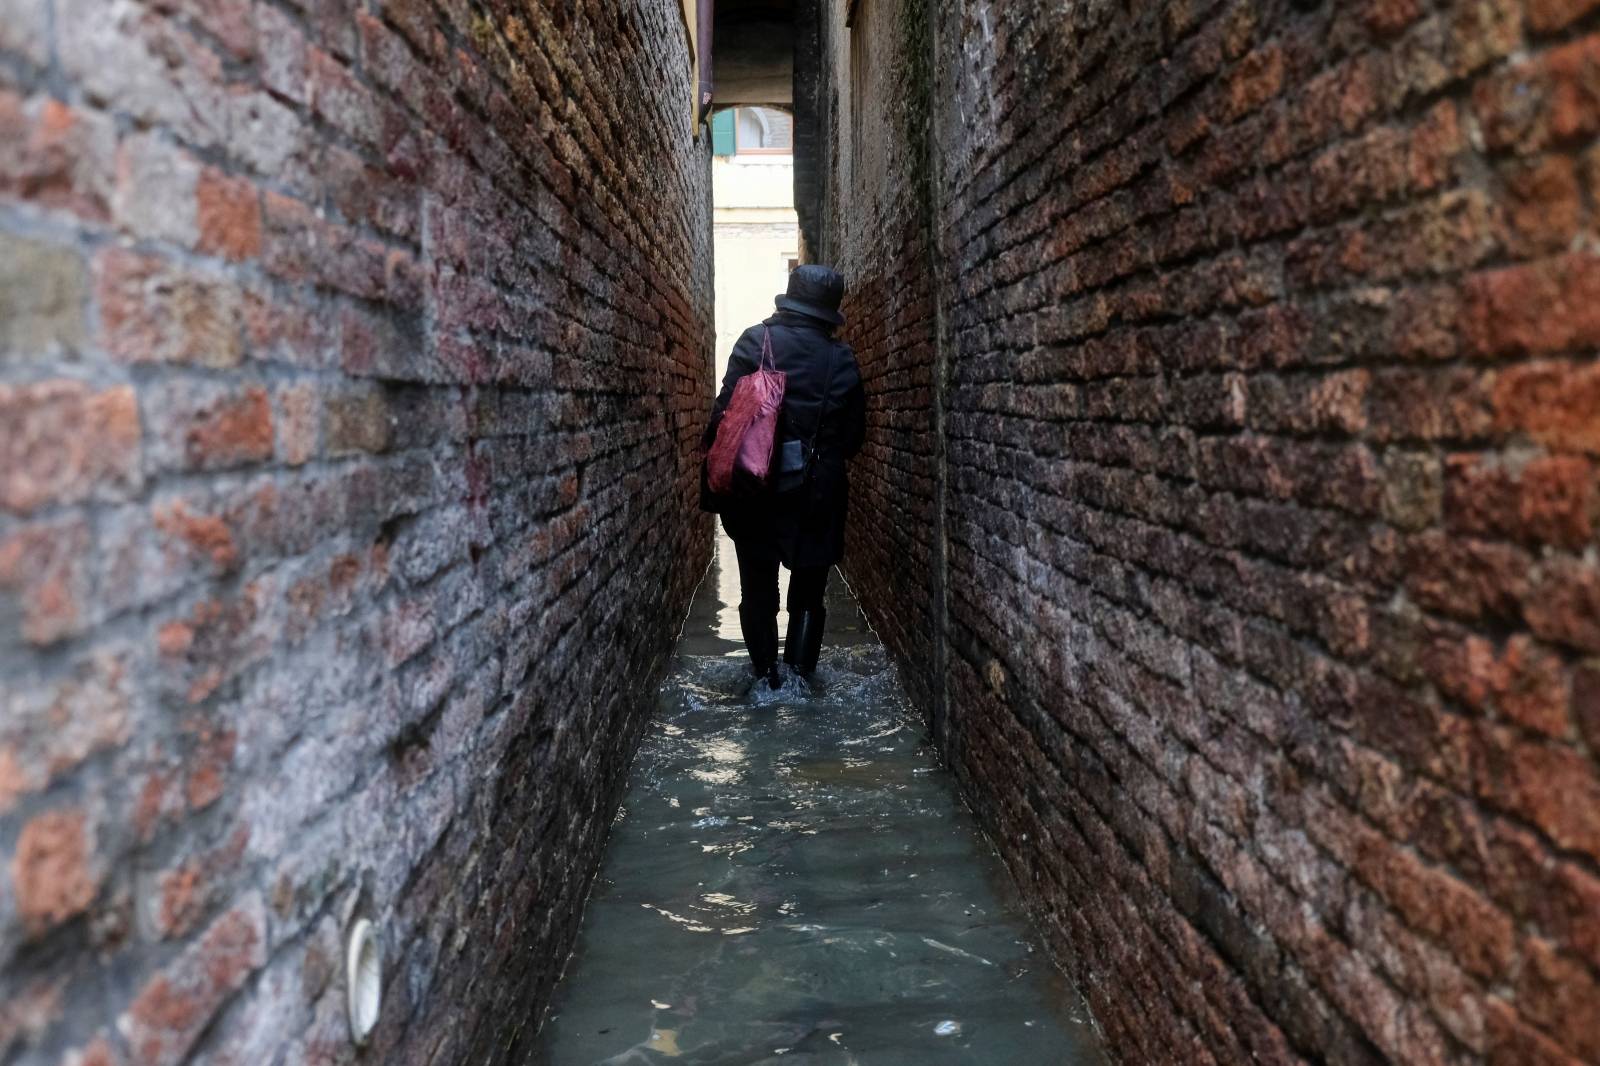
pixel 792 878
pixel 1222 489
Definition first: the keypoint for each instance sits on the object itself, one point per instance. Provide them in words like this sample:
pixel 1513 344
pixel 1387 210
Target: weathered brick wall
pixel 873 158
pixel 1268 410
pixel 351 358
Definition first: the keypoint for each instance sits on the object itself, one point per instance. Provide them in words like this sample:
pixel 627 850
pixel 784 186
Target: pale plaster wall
pixel 756 234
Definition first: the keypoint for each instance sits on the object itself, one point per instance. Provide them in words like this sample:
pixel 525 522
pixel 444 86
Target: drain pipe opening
pixel 364 978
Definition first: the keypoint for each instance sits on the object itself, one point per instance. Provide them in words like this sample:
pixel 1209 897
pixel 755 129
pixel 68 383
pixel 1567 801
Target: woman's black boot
pixel 791 639
pixel 761 640
pixel 803 645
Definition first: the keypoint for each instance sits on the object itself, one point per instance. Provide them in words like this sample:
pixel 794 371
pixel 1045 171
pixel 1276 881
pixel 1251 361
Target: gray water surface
pixel 792 879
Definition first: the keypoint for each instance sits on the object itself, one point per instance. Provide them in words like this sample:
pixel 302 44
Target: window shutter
pixel 722 137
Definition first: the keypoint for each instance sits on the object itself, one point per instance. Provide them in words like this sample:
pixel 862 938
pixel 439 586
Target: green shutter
pixel 722 140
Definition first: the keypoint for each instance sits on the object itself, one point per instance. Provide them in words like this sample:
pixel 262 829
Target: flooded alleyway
pixel 793 878
pixel 1227 491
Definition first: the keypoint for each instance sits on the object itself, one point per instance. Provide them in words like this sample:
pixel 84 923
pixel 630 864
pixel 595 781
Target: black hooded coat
pixel 803 527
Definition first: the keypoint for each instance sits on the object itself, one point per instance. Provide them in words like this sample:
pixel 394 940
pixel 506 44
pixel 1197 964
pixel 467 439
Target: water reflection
pixel 794 880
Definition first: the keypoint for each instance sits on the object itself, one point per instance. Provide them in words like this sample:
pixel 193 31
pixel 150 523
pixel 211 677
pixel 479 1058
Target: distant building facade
pixel 757 234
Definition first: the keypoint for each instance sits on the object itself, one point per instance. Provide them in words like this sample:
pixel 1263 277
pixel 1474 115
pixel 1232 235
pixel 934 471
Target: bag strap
pixel 767 360
pixel 822 411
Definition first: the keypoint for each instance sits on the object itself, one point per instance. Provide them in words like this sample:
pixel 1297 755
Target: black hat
pixel 816 291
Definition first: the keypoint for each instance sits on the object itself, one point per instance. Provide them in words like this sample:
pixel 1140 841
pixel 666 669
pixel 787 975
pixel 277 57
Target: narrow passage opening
pixel 756 241
pixel 792 876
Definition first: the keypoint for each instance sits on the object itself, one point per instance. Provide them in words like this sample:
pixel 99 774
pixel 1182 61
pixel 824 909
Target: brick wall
pixel 351 356
pixel 1235 418
pixel 874 177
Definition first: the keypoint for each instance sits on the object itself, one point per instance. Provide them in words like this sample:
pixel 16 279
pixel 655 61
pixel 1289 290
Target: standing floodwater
pixel 793 879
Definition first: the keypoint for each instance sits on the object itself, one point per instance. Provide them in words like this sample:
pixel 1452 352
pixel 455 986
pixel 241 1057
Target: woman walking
pixel 798 518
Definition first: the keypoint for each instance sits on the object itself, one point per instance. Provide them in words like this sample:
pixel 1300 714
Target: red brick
pixel 1546 16
pixel 418 20
pixel 1535 308
pixel 1256 79
pixel 50 871
pixel 179 909
pixel 45 565
pixel 1476 933
pixel 1561 998
pixel 187 891
pixel 155 801
pixel 363 193
pixel 1427 405
pixel 1553 404
pixel 1553 787
pixel 214 751
pixel 1558 501
pixel 1511 1043
pixel 235 430
pixel 1522 680
pixel 281 332
pixel 1433 147
pixel 392 65
pixel 1332 402
pixel 152 310
pixel 1564 604
pixel 1544 204
pixel 300 246
pixel 65 442
pixel 228 212
pixel 1540 500
pixel 56 156
pixel 1568 907
pixel 1467 579
pixel 1548 100
pixel 206 536
pixel 1423 325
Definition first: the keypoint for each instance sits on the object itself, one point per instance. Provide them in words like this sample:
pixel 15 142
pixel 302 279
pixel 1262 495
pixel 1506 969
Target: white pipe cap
pixel 364 978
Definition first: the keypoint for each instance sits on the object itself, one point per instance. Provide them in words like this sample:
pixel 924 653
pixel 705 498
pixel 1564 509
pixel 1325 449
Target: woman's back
pixel 822 380
pixel 799 519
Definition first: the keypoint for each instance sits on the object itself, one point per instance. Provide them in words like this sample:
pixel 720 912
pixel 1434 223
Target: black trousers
pixel 758 582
